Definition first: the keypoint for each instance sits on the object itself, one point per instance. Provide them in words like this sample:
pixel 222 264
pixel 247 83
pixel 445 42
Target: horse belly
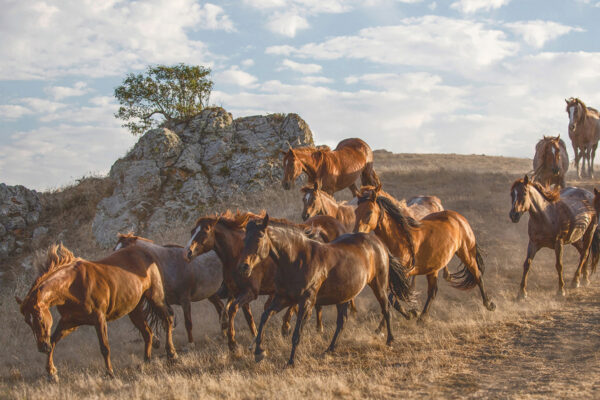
pixel 341 285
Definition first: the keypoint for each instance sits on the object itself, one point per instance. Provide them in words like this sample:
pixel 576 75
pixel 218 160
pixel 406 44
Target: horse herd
pixel 374 240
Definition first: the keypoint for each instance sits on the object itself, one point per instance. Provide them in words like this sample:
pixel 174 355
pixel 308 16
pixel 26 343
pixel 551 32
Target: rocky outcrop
pixel 171 174
pixel 19 213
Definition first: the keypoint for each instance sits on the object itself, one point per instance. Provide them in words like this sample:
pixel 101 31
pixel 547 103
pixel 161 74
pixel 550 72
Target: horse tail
pixel 399 280
pixel 223 292
pixel 464 278
pixel 154 316
pixel 595 250
pixel 368 176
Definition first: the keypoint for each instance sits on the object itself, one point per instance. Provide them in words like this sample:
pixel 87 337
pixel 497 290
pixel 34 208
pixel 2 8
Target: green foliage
pixel 177 93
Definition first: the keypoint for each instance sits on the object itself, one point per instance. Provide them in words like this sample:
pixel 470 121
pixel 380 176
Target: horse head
pixel 552 154
pixel 519 193
pixel 257 245
pixel 202 238
pixel 312 201
pixel 576 110
pixel 368 213
pixel 39 319
pixel 292 168
pixel 125 240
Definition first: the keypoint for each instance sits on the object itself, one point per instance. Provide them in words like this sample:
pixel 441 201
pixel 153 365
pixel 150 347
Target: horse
pixel 224 234
pixel 311 273
pixel 551 161
pixel 556 218
pixel 584 131
pixel 427 246
pixel 335 170
pixel 127 282
pixel 319 202
pixel 184 282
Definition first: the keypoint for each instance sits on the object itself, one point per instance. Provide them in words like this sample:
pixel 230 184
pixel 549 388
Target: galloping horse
pixel 584 131
pixel 312 273
pixel 427 245
pixel 93 293
pixel 551 161
pixel 335 170
pixel 225 234
pixel 555 219
pixel 183 283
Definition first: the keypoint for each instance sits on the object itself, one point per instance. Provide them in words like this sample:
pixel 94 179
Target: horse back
pixel 421 206
pixel 354 148
pixel 331 227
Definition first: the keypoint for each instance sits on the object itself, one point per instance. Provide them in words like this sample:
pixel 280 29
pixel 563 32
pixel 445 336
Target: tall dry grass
pixel 463 351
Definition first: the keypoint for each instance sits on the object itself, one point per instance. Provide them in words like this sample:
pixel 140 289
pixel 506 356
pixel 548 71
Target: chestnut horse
pixel 183 283
pixel 551 161
pixel 555 219
pixel 93 293
pixel 225 234
pixel 318 202
pixel 334 170
pixel 584 131
pixel 426 245
pixel 311 273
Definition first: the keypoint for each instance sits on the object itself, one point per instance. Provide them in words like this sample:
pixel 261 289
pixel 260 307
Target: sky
pixel 419 76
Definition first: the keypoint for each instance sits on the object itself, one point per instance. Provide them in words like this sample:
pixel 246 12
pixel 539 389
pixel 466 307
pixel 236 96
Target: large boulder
pixel 171 174
pixel 19 214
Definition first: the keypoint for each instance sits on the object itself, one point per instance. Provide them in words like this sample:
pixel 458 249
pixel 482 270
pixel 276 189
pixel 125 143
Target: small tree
pixel 177 92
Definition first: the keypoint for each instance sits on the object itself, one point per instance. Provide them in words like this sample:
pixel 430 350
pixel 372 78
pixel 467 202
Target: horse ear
pixel 317 185
pixel 596 192
pixel 265 221
pixel 19 301
pixel 526 179
pixel 378 188
pixel 558 137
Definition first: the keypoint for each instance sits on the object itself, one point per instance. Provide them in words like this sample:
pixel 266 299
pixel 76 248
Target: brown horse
pixel 427 245
pixel 225 234
pixel 584 131
pixel 335 170
pixel 551 161
pixel 183 283
pixel 93 293
pixel 312 273
pixel 555 219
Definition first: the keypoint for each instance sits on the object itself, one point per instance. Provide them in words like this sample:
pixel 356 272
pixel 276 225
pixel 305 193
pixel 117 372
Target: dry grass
pixel 544 347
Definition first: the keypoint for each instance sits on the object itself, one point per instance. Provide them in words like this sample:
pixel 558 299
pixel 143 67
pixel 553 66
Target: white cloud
pixel 86 37
pixel 300 67
pixel 430 41
pixel 536 33
pixel 60 92
pixel 248 62
pixel 41 106
pixel 13 111
pixel 307 6
pixel 214 17
pixel 473 6
pixel 235 76
pixel 287 23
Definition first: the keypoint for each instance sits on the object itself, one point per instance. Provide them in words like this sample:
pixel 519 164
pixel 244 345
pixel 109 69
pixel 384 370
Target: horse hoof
pixel 110 375
pixel 421 321
pixel 286 332
pixel 156 343
pixel 53 378
pixel 490 306
pixel 258 357
pixel 575 284
pixel 561 293
pixel 389 341
pixel 412 314
pixel 233 347
pixel 521 296
pixel 290 364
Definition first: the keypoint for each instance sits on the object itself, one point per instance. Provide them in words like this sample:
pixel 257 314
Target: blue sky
pixel 457 76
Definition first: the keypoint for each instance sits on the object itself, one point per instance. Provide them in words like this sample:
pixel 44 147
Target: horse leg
pixel 583 247
pixel 577 157
pixel 216 301
pixel 379 290
pixel 446 274
pixel 138 319
pixel 249 318
pixel 353 309
pixel 410 314
pixel 432 289
pixel 158 303
pixel 471 259
pixel 101 331
pixel 558 251
pixel 63 328
pixel 233 309
pixel 354 190
pixel 342 316
pixel 276 305
pixel 304 308
pixel 319 318
pixel 286 327
pixel 592 156
pixel 531 250
pixel 186 305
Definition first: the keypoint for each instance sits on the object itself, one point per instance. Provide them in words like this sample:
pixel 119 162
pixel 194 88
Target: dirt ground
pixel 540 348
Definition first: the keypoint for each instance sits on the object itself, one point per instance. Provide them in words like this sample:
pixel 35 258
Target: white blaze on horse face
pixel 193 236
pixel 514 197
pixel 553 151
pixel 307 197
pixel 119 245
pixel 571 113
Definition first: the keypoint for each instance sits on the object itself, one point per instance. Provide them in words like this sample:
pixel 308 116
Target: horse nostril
pixel 188 255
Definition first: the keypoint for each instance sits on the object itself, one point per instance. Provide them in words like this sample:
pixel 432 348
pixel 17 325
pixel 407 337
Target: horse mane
pixel 57 256
pixel 551 195
pixel 239 220
pixel 131 235
pixel 586 110
pixel 405 222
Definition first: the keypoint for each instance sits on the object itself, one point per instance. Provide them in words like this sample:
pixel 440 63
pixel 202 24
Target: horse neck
pixel 285 245
pixel 51 291
pixel 389 231
pixel 330 206
pixel 228 244
pixel 540 207
pixel 308 163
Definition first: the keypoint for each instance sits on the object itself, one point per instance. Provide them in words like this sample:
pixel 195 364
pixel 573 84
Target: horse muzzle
pixel 286 185
pixel 188 255
pixel 44 347
pixel 515 216
pixel 244 269
pixel 305 216
pixel 555 171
